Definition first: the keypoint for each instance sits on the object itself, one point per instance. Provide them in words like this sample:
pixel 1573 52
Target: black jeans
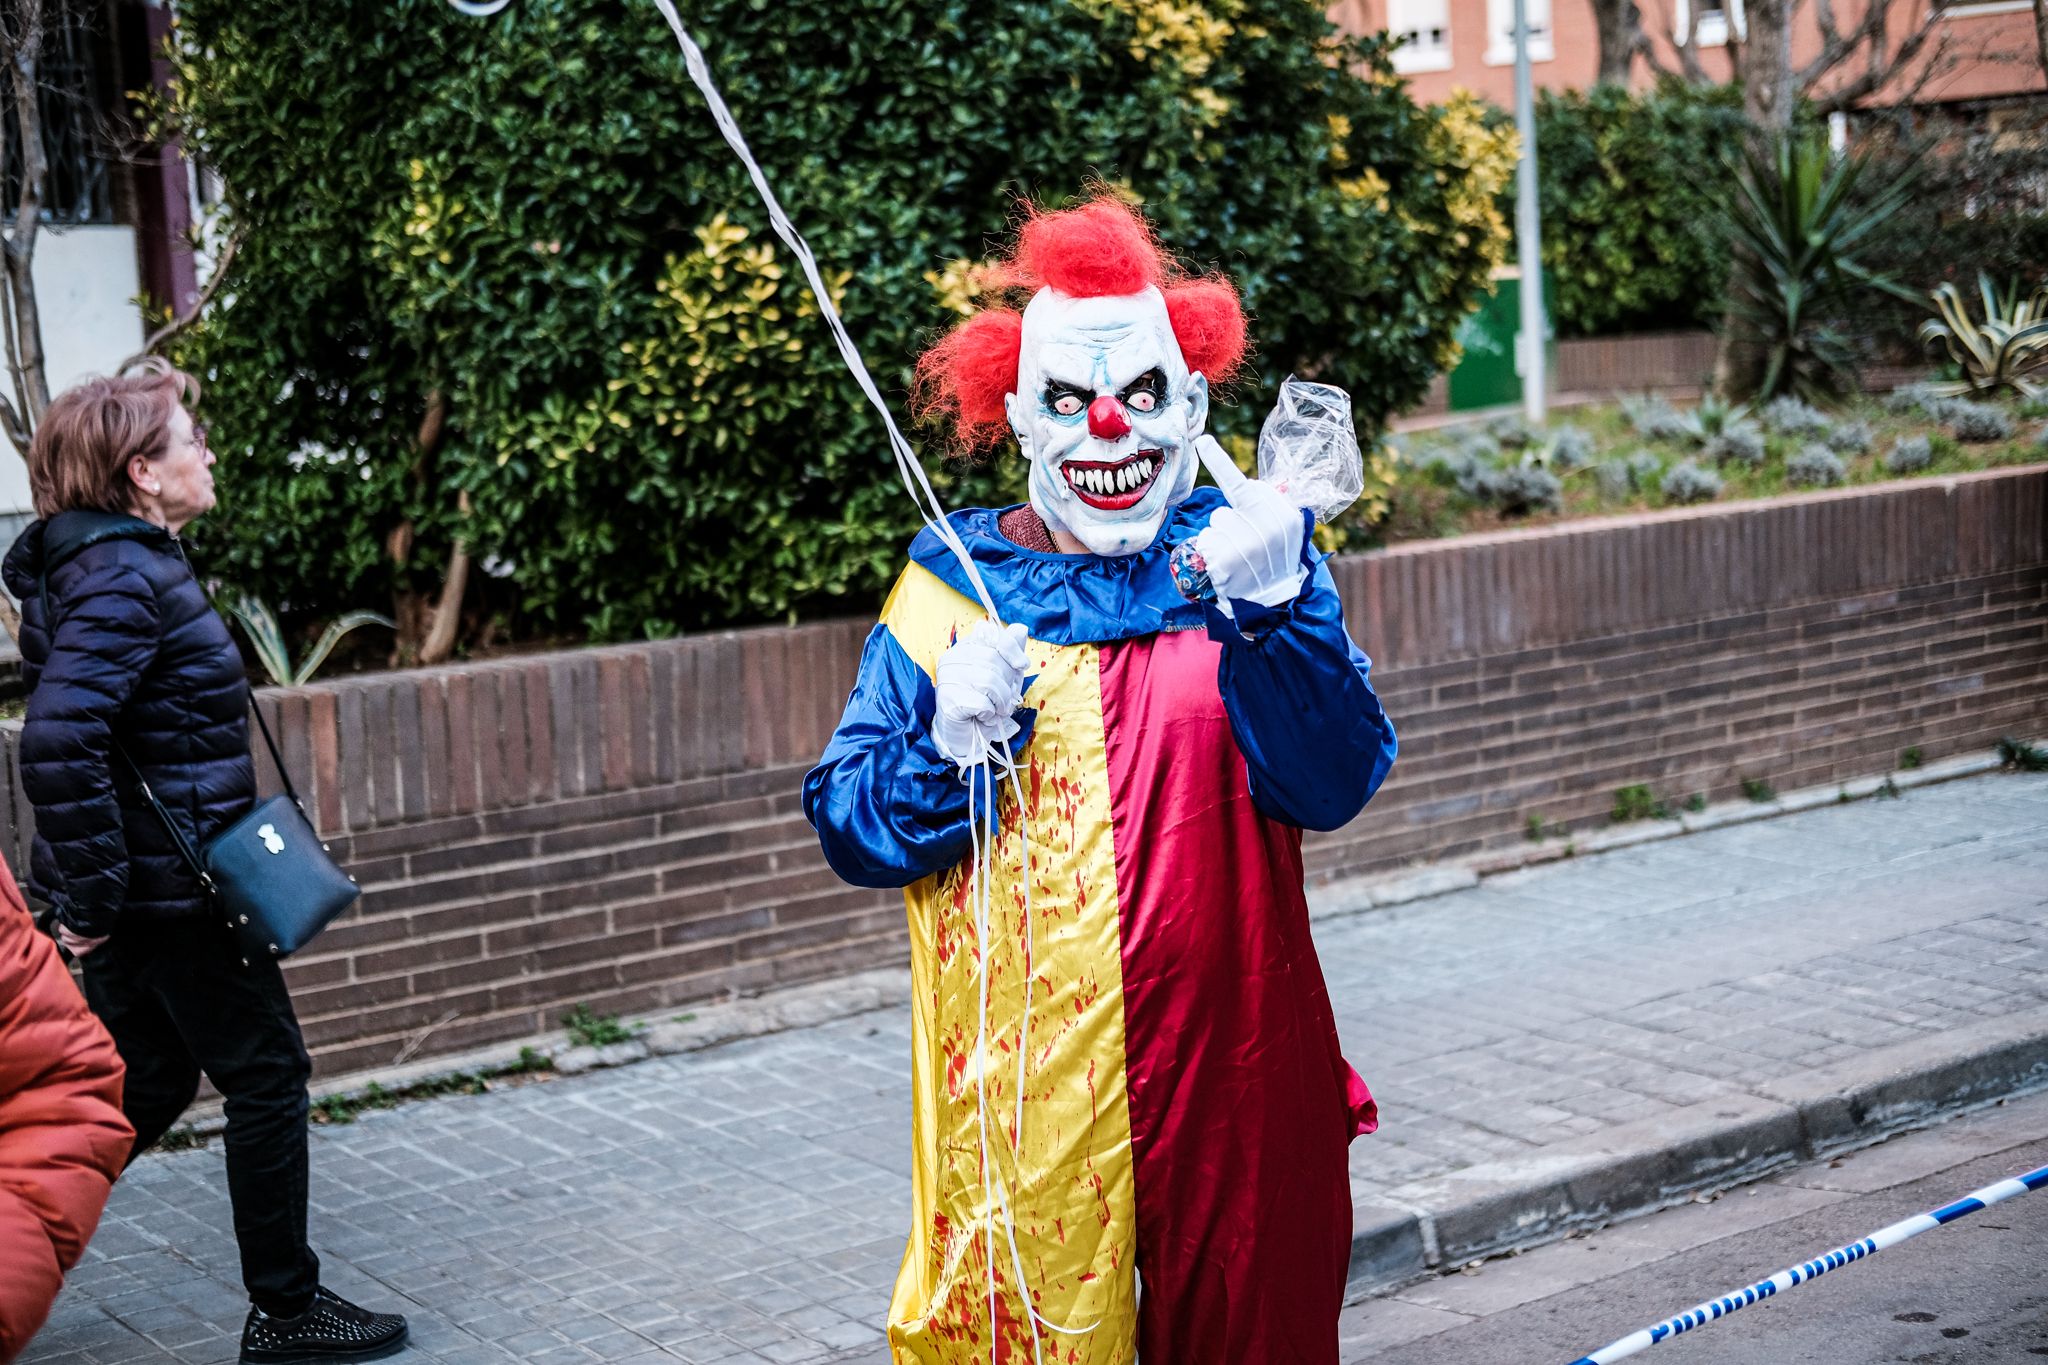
pixel 179 1001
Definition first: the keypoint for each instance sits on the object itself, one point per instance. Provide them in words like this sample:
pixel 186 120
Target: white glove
pixel 979 684
pixel 1252 547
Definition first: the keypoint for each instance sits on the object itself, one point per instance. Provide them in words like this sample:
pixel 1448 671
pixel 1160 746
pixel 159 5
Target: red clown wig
pixel 1099 248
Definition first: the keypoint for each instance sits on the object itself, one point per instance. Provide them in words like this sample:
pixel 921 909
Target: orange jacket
pixel 62 1138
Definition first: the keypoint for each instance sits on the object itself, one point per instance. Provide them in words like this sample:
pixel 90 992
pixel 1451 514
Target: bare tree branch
pixel 440 642
pixel 25 43
pixel 1686 45
pixel 16 430
pixel 178 324
pixel 14 374
pixel 1646 47
pixel 1882 68
pixel 1834 48
pixel 2041 34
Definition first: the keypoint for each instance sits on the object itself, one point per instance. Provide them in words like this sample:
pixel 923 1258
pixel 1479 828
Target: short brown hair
pixel 79 457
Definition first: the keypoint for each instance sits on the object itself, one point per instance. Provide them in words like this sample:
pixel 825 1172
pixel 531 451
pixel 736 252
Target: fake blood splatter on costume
pixel 1185 1109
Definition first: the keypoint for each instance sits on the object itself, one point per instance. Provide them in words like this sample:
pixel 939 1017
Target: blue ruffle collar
pixel 1066 599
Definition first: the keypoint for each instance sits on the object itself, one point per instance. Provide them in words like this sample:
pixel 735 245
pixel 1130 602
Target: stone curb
pixel 655 1035
pixel 1353 895
pixel 1496 1207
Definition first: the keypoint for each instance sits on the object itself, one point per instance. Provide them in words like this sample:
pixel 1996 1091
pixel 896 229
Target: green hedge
pixel 532 216
pixel 1631 187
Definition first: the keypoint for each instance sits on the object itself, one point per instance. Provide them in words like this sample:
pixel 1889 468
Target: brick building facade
pixel 1467 44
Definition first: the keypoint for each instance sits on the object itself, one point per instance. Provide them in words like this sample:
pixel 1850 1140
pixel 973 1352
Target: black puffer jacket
pixel 140 657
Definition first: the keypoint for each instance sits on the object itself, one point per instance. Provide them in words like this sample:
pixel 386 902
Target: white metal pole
pixel 1529 230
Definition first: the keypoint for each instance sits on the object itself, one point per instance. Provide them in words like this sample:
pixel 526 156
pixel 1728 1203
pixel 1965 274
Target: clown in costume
pixel 1126 1066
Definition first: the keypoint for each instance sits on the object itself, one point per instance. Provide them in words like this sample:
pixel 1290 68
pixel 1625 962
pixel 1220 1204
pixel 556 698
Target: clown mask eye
pixel 1147 393
pixel 1065 399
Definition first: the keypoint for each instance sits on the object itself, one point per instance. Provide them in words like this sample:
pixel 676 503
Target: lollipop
pixel 1308 450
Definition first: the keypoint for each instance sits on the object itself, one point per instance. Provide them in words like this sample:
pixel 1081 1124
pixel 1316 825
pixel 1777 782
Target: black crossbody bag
pixel 268 871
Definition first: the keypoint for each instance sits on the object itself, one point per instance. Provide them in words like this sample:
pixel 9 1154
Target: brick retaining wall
pixel 619 826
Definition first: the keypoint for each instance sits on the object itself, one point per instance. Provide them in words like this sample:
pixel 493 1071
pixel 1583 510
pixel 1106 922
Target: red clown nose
pixel 1108 420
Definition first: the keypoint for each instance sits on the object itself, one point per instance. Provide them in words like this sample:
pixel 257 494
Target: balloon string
pixel 983 831
pixel 915 481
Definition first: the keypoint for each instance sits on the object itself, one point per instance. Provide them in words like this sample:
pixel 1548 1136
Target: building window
pixel 1715 17
pixel 1500 31
pixel 77 142
pixel 1423 30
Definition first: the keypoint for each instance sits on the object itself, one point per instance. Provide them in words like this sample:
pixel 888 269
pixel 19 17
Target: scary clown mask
pixel 1103 378
pixel 1107 412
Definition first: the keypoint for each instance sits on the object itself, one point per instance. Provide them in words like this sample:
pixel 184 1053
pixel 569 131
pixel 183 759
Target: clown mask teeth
pixel 1113 486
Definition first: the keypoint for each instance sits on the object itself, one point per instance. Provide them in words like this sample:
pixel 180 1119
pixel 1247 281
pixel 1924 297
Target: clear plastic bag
pixel 1308 448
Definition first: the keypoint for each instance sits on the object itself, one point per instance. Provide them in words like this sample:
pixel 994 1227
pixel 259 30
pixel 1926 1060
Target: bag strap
pixel 185 849
pixel 275 757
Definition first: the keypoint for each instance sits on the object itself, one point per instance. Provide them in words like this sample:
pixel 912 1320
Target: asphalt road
pixel 1974 1292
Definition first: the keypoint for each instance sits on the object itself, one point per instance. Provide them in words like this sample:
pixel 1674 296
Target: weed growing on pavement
pixel 1888 789
pixel 347 1108
pixel 1910 757
pixel 1696 803
pixel 594 1030
pixel 344 1108
pixel 1636 802
pixel 1756 789
pixel 2020 755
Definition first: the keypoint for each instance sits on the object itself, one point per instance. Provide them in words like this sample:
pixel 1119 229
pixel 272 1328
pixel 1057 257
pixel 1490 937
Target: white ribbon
pixel 982 814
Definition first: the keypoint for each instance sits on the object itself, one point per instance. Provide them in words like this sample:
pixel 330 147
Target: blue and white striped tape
pixel 1714 1309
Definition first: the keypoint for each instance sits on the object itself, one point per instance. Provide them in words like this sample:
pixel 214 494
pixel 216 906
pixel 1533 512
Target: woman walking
pixel 134 679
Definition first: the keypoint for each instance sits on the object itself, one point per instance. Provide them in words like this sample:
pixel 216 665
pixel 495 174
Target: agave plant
pixel 1712 416
pixel 267 638
pixel 1998 353
pixel 1796 219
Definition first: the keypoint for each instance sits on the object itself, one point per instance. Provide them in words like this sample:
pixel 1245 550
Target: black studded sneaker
pixel 332 1329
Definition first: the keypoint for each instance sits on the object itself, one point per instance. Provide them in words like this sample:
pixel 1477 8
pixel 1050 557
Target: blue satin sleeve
pixel 1315 739
pixel 888 808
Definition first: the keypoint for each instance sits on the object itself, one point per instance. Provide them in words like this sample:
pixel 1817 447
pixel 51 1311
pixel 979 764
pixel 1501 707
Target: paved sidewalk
pixel 748 1203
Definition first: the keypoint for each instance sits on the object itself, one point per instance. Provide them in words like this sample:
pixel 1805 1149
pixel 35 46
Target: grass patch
pixel 2022 756
pixel 338 1109
pixel 1637 802
pixel 594 1030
